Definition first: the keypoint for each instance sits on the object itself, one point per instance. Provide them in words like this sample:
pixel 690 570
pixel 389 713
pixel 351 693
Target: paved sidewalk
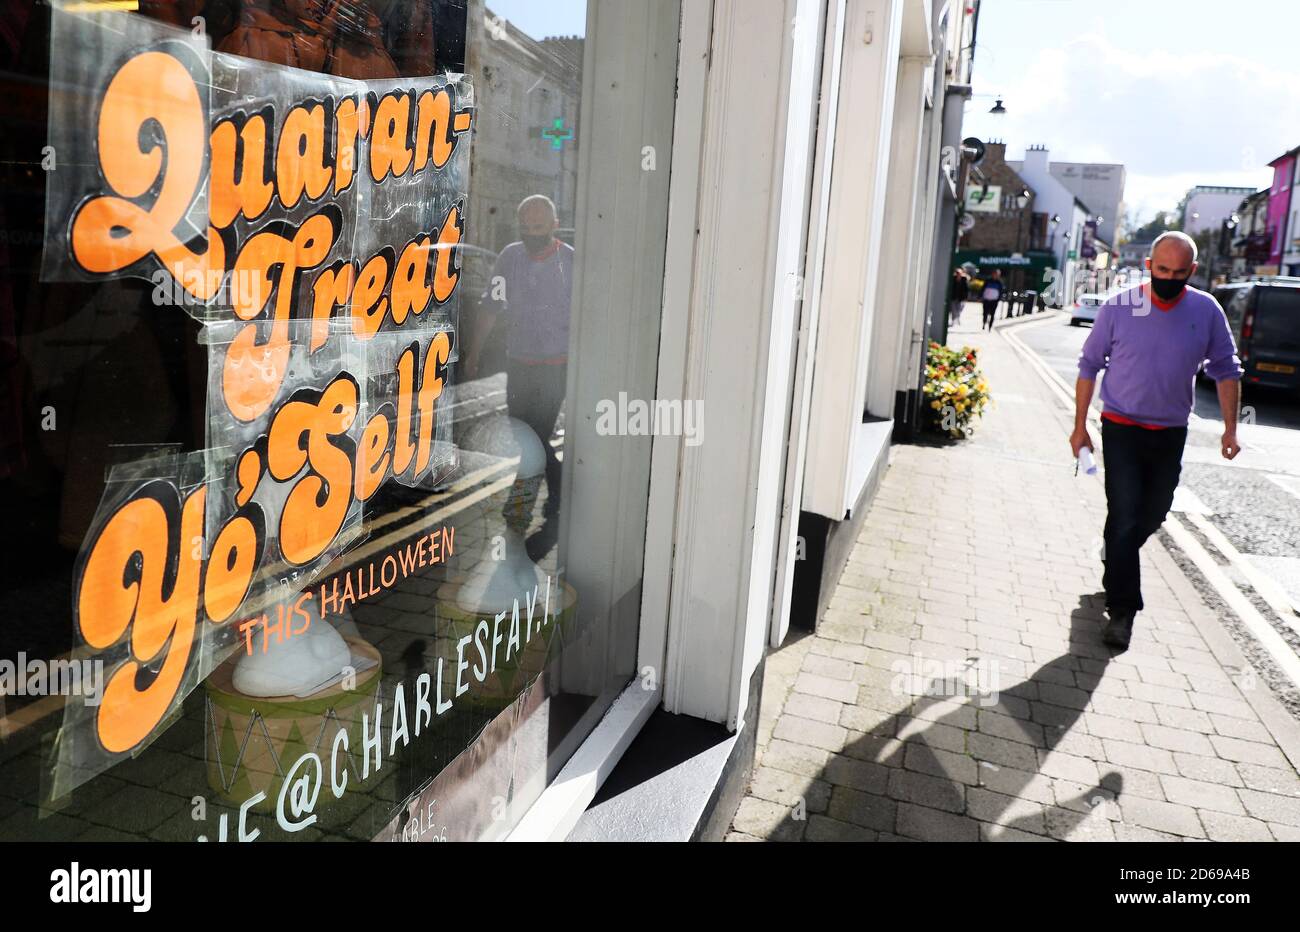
pixel 958 688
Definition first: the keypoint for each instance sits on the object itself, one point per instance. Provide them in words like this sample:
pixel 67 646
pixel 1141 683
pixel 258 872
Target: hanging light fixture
pixel 997 107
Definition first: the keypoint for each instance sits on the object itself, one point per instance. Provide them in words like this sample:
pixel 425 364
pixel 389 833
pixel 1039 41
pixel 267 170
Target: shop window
pixel 308 309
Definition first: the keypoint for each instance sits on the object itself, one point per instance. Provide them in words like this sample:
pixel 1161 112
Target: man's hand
pixel 1229 445
pixel 1229 403
pixel 1082 400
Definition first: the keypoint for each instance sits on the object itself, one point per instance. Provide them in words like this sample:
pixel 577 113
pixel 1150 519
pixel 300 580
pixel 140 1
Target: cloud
pixel 1174 119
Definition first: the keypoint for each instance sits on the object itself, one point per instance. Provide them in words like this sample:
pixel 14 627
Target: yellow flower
pixel 936 404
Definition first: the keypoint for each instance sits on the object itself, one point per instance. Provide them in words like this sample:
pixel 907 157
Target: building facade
pixel 1279 207
pixel 1005 226
pixel 1207 206
pixel 284 512
pixel 1290 234
pixel 1100 185
pixel 1132 254
pixel 1068 219
pixel 1251 241
pixel 994 195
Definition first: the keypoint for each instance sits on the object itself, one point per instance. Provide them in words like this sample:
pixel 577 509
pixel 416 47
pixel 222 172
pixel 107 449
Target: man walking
pixel 1151 340
pixel 991 295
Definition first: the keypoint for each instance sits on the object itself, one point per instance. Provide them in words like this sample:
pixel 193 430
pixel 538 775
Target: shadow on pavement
pixel 911 757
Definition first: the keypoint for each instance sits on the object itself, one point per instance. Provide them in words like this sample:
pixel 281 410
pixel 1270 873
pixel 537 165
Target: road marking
pixel 1287 483
pixel 1054 382
pixel 1190 504
pixel 1186 500
pixel 1268 590
pixel 1241 606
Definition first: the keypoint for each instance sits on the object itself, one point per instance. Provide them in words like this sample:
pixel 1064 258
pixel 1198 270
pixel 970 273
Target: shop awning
pixel 1035 262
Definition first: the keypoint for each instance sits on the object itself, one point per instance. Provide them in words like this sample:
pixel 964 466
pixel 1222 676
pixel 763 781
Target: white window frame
pixel 706 596
pixel 553 815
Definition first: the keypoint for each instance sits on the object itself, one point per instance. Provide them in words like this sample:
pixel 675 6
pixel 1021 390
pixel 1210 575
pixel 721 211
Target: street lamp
pixel 1229 224
pixel 1022 201
pixel 997 107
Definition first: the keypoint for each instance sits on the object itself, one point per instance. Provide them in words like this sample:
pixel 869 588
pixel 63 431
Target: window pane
pixel 322 321
pixel 1277 320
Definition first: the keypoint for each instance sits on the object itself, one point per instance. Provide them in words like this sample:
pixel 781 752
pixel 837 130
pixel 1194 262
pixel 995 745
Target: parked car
pixel 1265 318
pixel 1085 309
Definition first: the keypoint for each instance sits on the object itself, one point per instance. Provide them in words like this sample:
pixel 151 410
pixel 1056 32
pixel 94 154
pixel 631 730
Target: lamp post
pixel 1216 246
pixel 1022 201
pixel 998 108
pixel 1053 223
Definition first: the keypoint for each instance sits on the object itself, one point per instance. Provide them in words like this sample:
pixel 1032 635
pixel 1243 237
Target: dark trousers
pixel 1142 468
pixel 990 312
pixel 534 395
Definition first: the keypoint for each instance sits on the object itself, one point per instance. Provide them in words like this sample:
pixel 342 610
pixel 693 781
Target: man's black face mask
pixel 1167 289
pixel 536 244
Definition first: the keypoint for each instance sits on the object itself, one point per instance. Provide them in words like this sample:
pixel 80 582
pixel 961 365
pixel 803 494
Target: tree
pixel 1162 222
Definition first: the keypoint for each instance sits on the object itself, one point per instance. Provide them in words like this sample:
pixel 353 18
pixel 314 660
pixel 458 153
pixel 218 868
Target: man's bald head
pixel 538 210
pixel 1175 251
pixel 537 223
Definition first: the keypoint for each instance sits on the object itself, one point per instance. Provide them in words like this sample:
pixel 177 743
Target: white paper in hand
pixel 1087 465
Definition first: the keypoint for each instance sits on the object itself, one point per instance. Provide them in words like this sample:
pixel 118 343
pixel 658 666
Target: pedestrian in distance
pixel 958 293
pixel 1151 340
pixel 991 296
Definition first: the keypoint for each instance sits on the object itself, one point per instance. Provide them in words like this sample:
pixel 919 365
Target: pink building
pixel 1279 205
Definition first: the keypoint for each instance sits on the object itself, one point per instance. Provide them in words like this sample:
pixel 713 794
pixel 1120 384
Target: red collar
pixel 1164 305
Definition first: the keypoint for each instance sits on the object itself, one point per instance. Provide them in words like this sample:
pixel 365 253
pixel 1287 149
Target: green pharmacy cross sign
pixel 558 134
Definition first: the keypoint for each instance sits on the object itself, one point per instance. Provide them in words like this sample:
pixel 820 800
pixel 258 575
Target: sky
pixel 540 19
pixel 1182 92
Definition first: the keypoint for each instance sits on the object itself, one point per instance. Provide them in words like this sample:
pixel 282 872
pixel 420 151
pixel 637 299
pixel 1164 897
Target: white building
pixel 1067 215
pixel 1206 206
pixel 1100 185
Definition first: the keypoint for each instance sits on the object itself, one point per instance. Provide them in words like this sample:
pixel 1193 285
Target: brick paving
pixel 957 687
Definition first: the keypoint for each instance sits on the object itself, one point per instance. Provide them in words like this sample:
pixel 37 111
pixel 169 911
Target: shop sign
pixel 310 225
pixel 983 200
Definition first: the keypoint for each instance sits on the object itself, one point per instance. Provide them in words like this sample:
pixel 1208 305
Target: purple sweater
pixel 537 296
pixel 1151 355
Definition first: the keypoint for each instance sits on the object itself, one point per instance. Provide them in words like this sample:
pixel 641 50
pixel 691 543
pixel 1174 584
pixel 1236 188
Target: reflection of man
pixel 532 286
pixel 960 291
pixel 1151 341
